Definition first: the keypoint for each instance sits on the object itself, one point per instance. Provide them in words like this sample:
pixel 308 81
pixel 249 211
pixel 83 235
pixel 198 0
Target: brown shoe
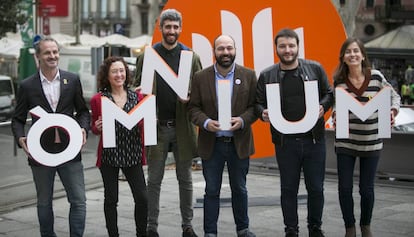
pixel 189 232
pixel 366 231
pixel 350 232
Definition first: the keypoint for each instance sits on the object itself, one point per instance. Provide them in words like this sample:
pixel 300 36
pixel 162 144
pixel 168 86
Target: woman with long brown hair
pixel 355 75
pixel 128 155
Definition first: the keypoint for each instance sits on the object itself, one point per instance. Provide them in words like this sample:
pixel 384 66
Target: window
pixel 123 9
pixel 144 23
pixel 369 4
pixel 394 4
pixel 104 8
pixel 85 9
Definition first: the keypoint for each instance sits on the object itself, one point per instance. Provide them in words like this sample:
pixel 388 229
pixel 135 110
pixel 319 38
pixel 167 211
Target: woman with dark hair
pixel 128 155
pixel 354 75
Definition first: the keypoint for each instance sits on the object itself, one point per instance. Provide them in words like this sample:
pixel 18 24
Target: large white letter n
pixel 145 109
pixel 154 63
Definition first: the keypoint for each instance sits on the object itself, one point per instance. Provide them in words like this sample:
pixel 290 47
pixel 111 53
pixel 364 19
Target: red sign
pixel 54 7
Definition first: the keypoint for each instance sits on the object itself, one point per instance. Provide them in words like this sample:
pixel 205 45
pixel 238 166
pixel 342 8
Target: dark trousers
pixel 295 155
pixel 71 176
pixel 136 181
pixel 368 168
pixel 225 153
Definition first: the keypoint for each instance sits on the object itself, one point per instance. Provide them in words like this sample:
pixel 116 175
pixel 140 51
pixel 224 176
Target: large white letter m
pixel 346 102
pixel 145 109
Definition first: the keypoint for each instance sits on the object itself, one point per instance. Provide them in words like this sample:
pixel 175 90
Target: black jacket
pixel 71 103
pixel 308 70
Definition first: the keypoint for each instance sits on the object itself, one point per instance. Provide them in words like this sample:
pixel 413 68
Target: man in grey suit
pixel 55 91
pixel 217 146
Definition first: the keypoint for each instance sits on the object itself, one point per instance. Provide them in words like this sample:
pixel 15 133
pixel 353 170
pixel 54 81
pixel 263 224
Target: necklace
pixel 120 100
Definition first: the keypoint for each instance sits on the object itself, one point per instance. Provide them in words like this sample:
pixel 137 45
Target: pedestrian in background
pixel 409 74
pixel 217 146
pixel 354 74
pixel 405 93
pixel 411 93
pixel 128 155
pixel 174 130
pixel 302 151
pixel 55 91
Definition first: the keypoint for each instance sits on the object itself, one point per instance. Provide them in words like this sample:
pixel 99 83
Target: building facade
pixel 376 17
pixel 131 18
pixel 365 19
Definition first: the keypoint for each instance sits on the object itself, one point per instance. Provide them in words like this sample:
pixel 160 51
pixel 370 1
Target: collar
pixel 229 74
pixel 43 78
pixel 164 50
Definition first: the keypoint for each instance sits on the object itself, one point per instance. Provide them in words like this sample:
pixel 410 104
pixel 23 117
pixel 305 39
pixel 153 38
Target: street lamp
pixel 90 23
pixel 107 22
pixel 77 21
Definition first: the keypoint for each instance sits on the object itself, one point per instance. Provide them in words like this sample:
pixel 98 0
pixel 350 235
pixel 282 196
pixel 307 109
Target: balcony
pixel 109 18
pixel 395 14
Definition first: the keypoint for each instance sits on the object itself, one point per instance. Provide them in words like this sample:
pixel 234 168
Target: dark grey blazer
pixel 203 105
pixel 71 103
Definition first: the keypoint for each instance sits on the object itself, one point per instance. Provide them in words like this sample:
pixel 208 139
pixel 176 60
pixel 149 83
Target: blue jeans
pixel 71 176
pixel 225 152
pixel 293 156
pixel 368 168
pixel 136 181
pixel 156 165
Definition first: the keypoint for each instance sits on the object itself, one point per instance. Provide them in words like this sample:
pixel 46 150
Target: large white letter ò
pixel 48 120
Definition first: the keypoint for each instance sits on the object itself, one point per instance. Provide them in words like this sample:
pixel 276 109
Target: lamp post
pixel 90 23
pixel 77 21
pixel 107 21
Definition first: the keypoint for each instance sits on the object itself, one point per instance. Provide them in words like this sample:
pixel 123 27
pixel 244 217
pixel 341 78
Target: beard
pixel 170 39
pixel 287 61
pixel 225 61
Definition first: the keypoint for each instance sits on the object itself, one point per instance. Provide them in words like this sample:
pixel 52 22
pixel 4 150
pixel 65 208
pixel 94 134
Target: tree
pixel 11 15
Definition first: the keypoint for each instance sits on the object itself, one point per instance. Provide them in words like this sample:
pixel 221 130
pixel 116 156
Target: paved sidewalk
pixel 393 214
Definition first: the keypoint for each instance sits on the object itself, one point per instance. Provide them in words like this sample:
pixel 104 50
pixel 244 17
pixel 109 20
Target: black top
pixel 293 95
pixel 166 97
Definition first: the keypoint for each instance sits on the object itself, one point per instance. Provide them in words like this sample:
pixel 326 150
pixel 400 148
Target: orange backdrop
pixel 323 34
